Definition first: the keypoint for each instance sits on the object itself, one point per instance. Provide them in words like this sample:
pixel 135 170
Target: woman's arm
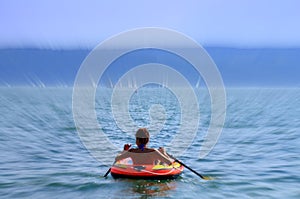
pixel 163 157
pixel 123 155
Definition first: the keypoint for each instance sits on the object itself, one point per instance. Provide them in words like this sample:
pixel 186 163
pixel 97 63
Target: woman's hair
pixel 143 140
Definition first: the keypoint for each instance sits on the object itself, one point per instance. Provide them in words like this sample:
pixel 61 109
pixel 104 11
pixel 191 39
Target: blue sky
pixel 69 24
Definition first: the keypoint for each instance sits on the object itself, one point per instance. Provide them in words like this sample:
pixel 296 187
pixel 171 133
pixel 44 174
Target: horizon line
pixel 64 48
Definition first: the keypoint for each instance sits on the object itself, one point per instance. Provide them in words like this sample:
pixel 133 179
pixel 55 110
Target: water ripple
pixel 257 155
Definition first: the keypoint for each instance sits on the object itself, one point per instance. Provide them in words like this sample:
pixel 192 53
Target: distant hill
pixel 238 67
pixel 35 66
pixel 258 67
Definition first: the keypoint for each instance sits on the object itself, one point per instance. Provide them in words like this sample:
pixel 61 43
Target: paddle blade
pixel 207 178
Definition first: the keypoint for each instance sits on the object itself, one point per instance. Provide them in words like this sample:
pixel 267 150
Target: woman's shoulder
pixel 146 150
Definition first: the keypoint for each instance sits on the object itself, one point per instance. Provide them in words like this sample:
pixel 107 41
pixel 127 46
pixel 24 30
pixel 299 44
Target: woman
pixel 142 154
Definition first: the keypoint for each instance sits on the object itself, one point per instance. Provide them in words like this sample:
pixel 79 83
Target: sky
pixel 84 24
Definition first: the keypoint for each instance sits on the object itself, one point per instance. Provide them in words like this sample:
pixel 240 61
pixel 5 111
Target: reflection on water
pixel 148 188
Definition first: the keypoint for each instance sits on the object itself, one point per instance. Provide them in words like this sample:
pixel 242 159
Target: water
pixel 257 155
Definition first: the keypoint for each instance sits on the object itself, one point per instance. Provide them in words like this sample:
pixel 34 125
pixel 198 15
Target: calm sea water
pixel 257 155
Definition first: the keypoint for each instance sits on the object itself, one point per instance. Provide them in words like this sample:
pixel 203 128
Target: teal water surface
pixel 257 154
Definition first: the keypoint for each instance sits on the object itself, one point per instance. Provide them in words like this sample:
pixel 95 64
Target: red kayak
pixel 123 170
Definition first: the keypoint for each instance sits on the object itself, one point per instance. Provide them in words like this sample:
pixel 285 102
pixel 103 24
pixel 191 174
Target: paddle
pixel 192 170
pixel 106 174
pixel 176 160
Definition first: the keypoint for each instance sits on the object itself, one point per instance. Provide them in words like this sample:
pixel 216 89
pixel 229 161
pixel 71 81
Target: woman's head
pixel 142 136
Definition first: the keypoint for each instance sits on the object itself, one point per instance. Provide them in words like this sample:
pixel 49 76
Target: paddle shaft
pixel 192 170
pixel 106 174
pixel 176 160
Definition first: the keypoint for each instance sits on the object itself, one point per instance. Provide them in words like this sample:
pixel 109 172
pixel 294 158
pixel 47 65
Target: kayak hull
pixel 146 171
pixel 164 177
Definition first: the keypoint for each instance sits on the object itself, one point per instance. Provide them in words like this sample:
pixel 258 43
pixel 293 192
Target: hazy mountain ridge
pixel 238 67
